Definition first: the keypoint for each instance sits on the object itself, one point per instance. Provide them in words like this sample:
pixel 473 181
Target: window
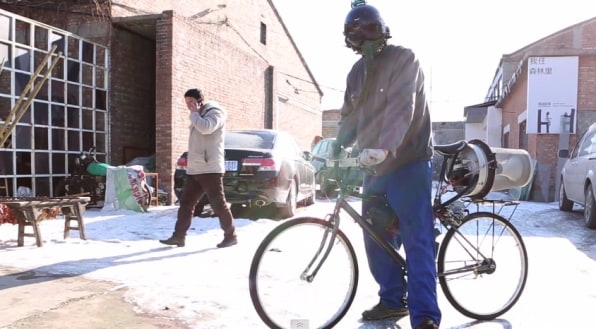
pixel 593 144
pixel 68 114
pixel 580 144
pixel 263 33
pixel 586 144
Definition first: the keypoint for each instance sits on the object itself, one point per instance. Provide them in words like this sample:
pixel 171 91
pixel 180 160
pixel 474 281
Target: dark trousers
pixel 409 193
pixel 195 187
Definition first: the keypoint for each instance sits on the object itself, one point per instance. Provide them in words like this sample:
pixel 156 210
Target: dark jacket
pixel 388 110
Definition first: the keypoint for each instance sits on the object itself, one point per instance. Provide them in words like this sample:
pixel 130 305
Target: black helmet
pixel 362 23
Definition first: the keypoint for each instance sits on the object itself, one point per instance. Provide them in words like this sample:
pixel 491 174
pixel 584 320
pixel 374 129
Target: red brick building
pixel 238 52
pixel 549 83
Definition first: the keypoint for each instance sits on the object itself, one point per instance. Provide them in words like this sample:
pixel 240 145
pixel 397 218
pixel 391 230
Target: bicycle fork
pixel 323 250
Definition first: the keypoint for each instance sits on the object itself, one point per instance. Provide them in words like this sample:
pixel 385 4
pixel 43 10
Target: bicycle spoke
pixel 485 255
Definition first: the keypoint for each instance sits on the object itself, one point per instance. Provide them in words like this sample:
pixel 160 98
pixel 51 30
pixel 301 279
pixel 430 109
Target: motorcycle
pixel 88 178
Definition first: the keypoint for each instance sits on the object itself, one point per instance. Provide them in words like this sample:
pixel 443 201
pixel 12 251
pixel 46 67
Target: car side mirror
pixel 564 154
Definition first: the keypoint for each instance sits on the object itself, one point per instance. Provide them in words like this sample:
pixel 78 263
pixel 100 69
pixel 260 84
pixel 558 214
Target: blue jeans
pixel 409 193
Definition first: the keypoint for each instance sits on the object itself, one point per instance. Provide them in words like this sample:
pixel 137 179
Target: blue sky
pixel 459 43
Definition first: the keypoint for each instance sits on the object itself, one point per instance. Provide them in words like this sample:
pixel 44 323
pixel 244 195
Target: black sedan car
pixel 264 168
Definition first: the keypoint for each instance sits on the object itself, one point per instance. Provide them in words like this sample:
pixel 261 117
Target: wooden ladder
pixel 29 92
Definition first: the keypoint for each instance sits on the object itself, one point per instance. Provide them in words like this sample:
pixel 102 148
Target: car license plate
pixel 231 165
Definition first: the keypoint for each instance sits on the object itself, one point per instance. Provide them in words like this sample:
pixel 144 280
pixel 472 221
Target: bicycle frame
pixel 327 241
pixel 441 209
pixel 465 241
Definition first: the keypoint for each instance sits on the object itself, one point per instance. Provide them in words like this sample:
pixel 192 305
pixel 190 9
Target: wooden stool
pixel 24 223
pixel 74 213
pixel 155 194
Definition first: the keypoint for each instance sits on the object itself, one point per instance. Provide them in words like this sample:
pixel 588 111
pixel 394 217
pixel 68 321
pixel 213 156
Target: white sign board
pixel 552 94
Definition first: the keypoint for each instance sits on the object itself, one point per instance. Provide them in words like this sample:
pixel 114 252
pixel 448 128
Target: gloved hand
pixel 371 157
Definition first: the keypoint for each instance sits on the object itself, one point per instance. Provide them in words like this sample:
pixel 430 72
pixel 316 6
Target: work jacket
pixel 386 108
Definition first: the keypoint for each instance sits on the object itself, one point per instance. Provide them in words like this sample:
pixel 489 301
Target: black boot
pixel 427 324
pixel 173 241
pixel 229 240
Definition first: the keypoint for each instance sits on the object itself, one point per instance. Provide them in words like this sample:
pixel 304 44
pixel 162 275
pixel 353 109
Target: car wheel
pixel 590 208
pixel 289 209
pixel 564 203
pixel 238 210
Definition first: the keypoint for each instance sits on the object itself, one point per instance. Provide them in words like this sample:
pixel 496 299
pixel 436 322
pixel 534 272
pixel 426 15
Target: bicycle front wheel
pixel 285 286
pixel 483 266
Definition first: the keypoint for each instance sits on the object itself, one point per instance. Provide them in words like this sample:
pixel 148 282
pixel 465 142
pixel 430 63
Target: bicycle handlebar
pixel 343 163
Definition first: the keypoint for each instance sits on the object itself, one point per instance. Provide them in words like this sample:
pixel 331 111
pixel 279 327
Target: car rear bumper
pixel 254 193
pixel 249 192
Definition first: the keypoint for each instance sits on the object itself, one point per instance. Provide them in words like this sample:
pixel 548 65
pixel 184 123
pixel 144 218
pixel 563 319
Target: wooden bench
pixel 30 211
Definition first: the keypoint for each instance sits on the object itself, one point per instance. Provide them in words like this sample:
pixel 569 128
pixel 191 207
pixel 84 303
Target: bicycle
pixel 327 269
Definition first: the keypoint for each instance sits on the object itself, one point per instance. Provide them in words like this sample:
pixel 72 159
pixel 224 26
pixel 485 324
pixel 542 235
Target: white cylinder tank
pixel 480 169
pixel 514 168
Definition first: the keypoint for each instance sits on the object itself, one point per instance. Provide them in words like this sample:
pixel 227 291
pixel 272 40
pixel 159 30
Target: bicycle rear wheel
pixel 483 266
pixel 280 285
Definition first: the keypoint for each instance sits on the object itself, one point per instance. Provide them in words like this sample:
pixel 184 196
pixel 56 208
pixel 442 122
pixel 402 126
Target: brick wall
pixel 232 70
pixel 512 106
pixel 330 123
pixel 206 44
pixel 132 106
pixel 167 132
pixel 60 14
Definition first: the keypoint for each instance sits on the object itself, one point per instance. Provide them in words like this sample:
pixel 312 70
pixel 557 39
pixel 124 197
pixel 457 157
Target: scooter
pixel 88 178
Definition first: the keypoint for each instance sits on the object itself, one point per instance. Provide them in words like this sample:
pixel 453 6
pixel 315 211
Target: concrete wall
pixel 445 133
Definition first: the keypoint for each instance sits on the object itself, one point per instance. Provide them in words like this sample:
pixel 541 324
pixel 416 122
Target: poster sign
pixel 552 94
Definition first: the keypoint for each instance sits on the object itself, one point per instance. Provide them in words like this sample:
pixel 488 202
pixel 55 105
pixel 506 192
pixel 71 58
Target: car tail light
pixel 181 163
pixel 259 164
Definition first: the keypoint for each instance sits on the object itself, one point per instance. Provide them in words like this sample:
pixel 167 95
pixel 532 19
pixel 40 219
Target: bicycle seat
pixel 450 149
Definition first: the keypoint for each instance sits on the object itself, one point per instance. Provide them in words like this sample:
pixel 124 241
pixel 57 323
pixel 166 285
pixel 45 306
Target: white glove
pixel 371 157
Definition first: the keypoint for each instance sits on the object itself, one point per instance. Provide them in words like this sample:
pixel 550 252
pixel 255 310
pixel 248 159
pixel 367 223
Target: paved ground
pixel 68 302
